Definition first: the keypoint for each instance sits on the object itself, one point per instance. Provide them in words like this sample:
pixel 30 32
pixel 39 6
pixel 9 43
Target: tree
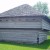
pixel 42 7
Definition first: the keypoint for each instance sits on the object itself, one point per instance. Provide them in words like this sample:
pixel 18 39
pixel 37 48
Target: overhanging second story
pixel 24 16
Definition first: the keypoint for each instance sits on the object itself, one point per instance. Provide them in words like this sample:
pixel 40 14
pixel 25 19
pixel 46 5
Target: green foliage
pixel 49 16
pixel 42 7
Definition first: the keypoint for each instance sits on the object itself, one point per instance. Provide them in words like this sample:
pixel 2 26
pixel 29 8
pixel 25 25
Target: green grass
pixel 15 46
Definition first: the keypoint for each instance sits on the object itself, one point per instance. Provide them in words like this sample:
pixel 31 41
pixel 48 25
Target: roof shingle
pixel 23 10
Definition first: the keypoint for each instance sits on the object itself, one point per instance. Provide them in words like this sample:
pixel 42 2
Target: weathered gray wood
pixel 23 24
pixel 45 25
pixel 23 35
pixel 42 36
pixel 19 35
pixel 20 25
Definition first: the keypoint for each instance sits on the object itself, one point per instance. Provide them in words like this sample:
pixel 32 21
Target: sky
pixel 9 4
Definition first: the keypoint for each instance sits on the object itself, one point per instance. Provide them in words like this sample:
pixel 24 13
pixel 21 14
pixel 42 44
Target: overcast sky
pixel 9 4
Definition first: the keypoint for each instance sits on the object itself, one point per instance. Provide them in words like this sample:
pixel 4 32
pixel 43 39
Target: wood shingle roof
pixel 23 11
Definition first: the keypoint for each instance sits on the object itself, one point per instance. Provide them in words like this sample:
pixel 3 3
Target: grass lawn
pixel 14 46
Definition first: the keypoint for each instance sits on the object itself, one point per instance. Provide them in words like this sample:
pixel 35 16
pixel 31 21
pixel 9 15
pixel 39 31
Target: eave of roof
pixel 23 11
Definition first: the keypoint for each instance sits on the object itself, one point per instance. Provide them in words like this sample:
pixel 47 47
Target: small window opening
pixel 0 20
pixel 6 20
